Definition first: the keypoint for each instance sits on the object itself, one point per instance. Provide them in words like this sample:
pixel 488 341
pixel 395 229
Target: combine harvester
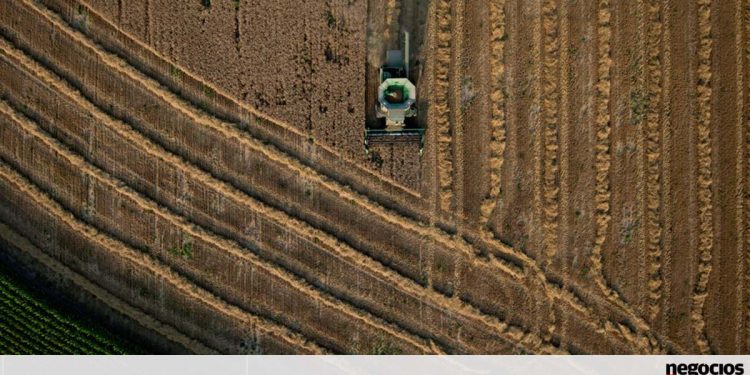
pixel 397 102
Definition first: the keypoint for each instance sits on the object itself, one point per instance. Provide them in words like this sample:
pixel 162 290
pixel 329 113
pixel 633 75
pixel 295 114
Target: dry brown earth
pixel 583 187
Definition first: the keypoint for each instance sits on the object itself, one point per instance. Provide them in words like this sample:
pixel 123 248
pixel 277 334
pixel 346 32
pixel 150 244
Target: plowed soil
pixel 197 169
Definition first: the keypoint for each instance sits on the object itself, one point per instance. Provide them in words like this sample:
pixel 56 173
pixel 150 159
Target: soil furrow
pixel 101 295
pixel 704 178
pixel 381 281
pixel 435 234
pixel 680 260
pixel 22 189
pixel 666 185
pixel 497 115
pixel 653 158
pixel 740 173
pixel 726 156
pixel 214 248
pixel 550 101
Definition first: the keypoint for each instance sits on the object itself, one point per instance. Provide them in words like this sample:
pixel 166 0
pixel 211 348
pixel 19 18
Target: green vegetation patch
pixel 29 325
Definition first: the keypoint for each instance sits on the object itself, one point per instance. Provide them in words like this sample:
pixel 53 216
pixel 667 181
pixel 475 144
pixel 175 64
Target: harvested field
pixel 583 186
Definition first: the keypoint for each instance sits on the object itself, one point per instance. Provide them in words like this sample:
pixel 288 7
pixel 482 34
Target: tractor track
pixel 437 235
pixel 315 239
pixel 13 180
pixel 148 209
pixel 704 178
pixel 99 294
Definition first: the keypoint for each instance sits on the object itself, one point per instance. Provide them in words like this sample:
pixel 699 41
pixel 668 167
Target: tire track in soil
pixel 196 175
pixel 549 132
pixel 726 152
pixel 665 113
pixel 623 257
pixel 680 260
pixel 497 115
pixel 704 178
pixel 435 233
pixel 204 235
pixel 144 262
pixel 652 158
pixel 100 294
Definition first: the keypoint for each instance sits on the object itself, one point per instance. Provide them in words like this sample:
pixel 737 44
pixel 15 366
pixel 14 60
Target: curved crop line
pixel 364 263
pixel 145 262
pixel 144 320
pixel 439 236
pixel 497 119
pixel 705 194
pixel 204 235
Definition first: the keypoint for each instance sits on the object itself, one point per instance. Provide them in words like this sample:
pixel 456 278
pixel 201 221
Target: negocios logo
pixel 705 369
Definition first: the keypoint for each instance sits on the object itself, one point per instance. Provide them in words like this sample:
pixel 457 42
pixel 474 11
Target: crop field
pixel 29 325
pixel 196 170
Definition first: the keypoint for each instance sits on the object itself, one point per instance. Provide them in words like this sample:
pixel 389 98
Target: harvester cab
pixel 396 109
